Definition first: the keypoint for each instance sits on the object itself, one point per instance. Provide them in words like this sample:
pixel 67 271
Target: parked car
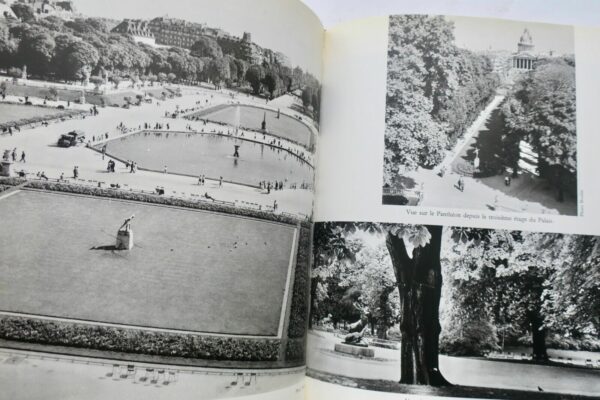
pixel 71 139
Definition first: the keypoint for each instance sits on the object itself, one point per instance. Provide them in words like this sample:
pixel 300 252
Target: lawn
pixel 73 95
pixel 17 112
pixel 189 270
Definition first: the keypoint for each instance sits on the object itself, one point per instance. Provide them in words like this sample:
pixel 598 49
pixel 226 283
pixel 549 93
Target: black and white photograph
pixel 156 193
pixel 455 312
pixel 481 115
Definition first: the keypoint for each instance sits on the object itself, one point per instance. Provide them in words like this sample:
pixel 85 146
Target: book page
pixel 454 248
pixel 156 195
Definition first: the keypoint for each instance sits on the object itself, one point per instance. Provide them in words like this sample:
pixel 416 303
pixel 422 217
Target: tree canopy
pixel 434 92
pixel 542 111
pixel 499 287
pixel 53 48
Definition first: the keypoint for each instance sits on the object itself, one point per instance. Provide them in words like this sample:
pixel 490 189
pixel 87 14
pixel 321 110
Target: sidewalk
pixel 43 155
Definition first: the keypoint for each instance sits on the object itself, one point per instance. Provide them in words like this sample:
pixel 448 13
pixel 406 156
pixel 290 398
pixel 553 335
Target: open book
pixel 217 199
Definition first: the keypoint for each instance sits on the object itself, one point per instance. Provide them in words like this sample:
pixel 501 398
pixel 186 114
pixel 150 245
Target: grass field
pixel 16 112
pixel 189 270
pixel 74 95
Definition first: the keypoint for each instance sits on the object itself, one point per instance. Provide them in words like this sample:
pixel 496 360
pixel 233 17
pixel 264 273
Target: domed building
pixel 525 58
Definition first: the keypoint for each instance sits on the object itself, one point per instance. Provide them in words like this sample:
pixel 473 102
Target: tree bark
pixel 538 334
pixel 419 281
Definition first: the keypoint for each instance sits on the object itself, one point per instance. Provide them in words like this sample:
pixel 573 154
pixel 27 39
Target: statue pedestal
pixel 124 240
pixel 357 351
pixel 5 168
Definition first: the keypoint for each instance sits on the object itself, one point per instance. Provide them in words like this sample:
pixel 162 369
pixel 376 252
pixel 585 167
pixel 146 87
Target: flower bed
pixel 137 341
pixel 155 199
pixel 38 119
pixel 11 181
pixel 295 350
pixel 299 309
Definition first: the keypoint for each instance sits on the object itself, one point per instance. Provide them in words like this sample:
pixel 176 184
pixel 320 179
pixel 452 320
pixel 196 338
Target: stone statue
pixel 264 123
pixel 356 338
pixel 358 329
pixel 86 71
pixel 24 73
pixel 125 235
pixel 126 227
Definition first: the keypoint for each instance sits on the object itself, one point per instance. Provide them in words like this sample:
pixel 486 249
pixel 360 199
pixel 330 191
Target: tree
pixel 307 96
pixel 218 71
pixel 15 72
pixel 435 91
pixel 419 282
pixel 23 11
pixel 512 282
pixel 80 59
pixel 316 102
pixel 207 47
pixel 371 275
pixel 255 76
pixel 36 50
pixel 8 52
pixel 542 111
pixel 241 68
pixel 270 82
pixel 574 298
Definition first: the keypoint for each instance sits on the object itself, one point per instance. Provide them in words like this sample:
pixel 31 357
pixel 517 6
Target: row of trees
pixel 541 110
pixel 499 287
pixel 435 91
pixel 73 50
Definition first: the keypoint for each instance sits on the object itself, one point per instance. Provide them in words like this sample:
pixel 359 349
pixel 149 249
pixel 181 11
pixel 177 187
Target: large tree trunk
pixel 313 311
pixel 419 282
pixel 538 334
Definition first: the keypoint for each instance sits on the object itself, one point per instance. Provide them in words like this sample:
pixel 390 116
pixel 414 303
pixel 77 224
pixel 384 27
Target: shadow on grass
pixel 380 385
pixel 111 247
pixel 527 187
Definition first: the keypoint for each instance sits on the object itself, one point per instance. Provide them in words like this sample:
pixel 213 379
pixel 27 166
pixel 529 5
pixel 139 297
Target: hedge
pixel 295 350
pixel 299 309
pixel 11 181
pixel 43 118
pixel 138 341
pixel 156 199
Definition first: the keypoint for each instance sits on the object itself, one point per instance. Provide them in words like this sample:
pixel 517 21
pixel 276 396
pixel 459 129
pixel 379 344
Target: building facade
pixel 525 58
pixel 175 32
pixel 165 31
pixel 138 29
pixel 45 8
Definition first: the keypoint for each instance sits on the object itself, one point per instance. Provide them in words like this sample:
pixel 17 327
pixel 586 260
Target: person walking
pixel 220 181
pixel 461 184
pixel 76 172
pixel 22 156
pixel 14 154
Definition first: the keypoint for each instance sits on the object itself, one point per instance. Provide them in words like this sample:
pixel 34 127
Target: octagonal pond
pixel 211 155
pixel 251 117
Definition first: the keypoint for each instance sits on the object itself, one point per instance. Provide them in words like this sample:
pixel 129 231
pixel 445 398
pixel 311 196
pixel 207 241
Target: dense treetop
pixel 53 48
pixel 435 91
